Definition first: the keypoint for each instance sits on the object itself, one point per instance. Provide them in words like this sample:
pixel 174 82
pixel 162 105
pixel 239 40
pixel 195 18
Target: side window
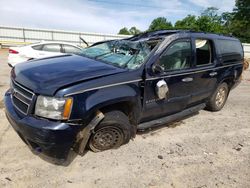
pixel 71 49
pixel 37 47
pixel 52 48
pixel 230 47
pixel 177 56
pixel 204 54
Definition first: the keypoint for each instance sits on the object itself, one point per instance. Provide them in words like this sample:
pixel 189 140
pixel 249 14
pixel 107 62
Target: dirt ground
pixel 205 150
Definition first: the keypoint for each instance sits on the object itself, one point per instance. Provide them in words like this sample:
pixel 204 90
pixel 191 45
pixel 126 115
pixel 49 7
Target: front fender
pixel 113 95
pixel 86 103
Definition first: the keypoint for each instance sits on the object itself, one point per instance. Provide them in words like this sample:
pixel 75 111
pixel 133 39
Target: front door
pixel 176 63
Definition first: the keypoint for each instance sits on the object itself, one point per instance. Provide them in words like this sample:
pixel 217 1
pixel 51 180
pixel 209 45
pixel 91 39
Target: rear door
pixel 205 72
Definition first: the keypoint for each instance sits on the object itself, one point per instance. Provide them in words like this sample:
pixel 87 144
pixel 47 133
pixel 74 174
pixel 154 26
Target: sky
pixel 100 16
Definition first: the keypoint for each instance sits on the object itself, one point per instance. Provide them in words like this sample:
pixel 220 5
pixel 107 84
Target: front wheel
pixel 219 98
pixel 113 131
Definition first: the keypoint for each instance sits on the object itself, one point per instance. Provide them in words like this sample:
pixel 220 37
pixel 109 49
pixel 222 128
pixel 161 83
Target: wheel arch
pixel 229 81
pixel 123 98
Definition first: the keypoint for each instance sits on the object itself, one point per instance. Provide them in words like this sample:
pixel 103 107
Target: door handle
pixel 213 74
pixel 188 79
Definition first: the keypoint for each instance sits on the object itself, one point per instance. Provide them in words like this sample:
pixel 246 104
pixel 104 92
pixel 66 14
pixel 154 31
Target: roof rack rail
pixel 169 32
pixel 156 33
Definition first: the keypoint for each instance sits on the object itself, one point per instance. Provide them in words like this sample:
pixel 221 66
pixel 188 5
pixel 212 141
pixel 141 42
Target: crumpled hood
pixel 46 76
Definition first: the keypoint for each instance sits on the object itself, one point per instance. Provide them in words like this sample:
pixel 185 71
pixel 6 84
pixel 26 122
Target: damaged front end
pixel 84 135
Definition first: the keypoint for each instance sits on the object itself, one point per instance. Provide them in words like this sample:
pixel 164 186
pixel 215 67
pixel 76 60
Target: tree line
pixel 235 23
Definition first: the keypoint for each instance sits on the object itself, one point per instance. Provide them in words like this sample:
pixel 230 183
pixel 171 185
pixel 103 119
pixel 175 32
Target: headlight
pixel 53 108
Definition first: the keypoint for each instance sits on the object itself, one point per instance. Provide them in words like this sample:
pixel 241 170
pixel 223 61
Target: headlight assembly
pixel 53 108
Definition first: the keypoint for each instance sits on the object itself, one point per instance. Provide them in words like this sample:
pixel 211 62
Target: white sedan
pixel 40 50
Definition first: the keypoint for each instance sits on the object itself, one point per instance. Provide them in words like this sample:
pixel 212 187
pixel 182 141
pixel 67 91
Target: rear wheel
pixel 219 98
pixel 113 131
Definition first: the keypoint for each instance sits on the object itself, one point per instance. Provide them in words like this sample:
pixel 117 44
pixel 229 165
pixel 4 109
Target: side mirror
pixel 161 89
pixel 156 68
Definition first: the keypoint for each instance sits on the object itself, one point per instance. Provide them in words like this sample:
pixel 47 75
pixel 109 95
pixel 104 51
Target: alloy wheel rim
pixel 220 97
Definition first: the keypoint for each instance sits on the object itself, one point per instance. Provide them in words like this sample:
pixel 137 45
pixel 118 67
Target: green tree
pixel 211 12
pixel 160 23
pixel 210 21
pixel 241 20
pixel 134 31
pixel 124 31
pixel 131 31
pixel 188 22
pixel 226 21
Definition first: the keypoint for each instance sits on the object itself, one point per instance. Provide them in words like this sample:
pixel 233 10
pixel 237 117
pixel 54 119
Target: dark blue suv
pixel 100 98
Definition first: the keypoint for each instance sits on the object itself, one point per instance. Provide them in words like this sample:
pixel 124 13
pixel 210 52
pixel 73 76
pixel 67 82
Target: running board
pixel 170 118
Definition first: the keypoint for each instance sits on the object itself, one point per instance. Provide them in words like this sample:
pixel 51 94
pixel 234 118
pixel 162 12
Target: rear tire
pixel 113 131
pixel 219 98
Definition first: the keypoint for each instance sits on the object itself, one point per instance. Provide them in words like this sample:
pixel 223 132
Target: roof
pixel 54 42
pixel 164 33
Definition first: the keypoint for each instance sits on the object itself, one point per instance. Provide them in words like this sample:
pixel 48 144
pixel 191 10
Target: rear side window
pixel 37 47
pixel 230 47
pixel 71 49
pixel 204 53
pixel 52 48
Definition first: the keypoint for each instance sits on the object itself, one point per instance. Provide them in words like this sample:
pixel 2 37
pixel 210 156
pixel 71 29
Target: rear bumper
pixel 54 139
pixel 236 83
pixel 13 60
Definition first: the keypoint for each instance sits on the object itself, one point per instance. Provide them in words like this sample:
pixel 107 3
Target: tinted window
pixel 52 47
pixel 204 53
pixel 71 49
pixel 177 56
pixel 37 47
pixel 230 47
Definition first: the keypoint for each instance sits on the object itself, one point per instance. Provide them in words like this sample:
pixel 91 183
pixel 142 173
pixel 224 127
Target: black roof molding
pixel 163 33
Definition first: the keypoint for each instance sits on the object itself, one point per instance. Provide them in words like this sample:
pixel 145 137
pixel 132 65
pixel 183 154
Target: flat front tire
pixel 113 131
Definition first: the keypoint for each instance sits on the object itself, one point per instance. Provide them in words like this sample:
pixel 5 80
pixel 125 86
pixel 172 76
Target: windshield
pixel 120 53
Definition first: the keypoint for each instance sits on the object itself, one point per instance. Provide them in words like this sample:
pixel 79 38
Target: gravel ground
pixel 205 150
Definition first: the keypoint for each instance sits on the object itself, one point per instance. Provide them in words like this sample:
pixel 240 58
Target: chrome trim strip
pixel 193 72
pixel 25 113
pixel 18 98
pixel 23 88
pixel 21 100
pixel 101 87
pixel 110 85
pixel 18 91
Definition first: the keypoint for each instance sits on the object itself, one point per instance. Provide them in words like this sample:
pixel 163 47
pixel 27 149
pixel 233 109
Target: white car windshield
pixel 120 53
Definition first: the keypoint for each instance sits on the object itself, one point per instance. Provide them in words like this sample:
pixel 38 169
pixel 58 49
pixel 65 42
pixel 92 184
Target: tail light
pixel 11 51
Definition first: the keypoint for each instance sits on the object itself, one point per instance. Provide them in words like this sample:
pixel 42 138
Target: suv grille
pixel 21 97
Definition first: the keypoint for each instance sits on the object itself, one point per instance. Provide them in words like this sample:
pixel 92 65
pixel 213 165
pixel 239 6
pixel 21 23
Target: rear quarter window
pixel 52 47
pixel 71 49
pixel 230 50
pixel 37 47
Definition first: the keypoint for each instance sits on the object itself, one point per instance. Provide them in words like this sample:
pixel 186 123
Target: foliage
pixel 236 23
pixel 189 23
pixel 131 31
pixel 160 23
pixel 134 31
pixel 241 20
pixel 124 31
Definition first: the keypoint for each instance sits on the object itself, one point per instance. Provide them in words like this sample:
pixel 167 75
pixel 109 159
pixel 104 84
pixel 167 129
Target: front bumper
pixel 52 138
